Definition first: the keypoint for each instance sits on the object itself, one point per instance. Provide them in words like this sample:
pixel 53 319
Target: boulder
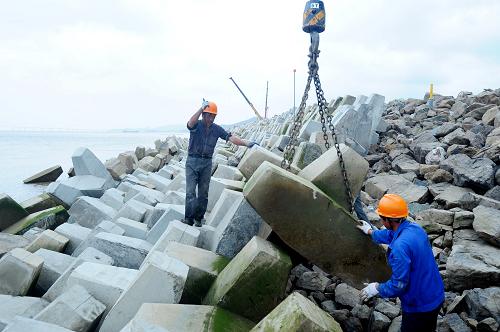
pixel 312 281
pixel 297 313
pixel 493 193
pixel 10 211
pixel 116 168
pixel 185 318
pixel 440 216
pixel 257 274
pixel 493 138
pixel 404 163
pixel 19 269
pixel 379 185
pixel 487 224
pixel 478 174
pixel 347 295
pixel 421 150
pixel 48 175
pixel 149 164
pixel 448 195
pixel 314 225
pixel 378 322
pixel 387 308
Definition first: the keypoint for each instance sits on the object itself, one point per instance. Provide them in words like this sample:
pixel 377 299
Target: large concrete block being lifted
pixel 315 226
pixel 217 186
pixel 297 313
pixel 186 318
pixel 86 163
pixel 325 172
pixel 160 280
pixel 204 267
pixel 89 212
pixel 254 282
pixel 75 310
pixel 126 251
pixel 18 271
pixel 254 157
pixel 22 324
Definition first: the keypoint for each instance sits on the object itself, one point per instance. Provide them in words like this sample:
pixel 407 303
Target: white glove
pixel 369 291
pixel 204 104
pixel 364 227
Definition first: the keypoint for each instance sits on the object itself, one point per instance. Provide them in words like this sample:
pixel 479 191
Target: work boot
pixel 187 222
pixel 197 223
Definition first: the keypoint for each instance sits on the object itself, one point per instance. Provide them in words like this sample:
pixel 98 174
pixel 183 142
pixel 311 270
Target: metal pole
pixel 267 91
pixel 294 90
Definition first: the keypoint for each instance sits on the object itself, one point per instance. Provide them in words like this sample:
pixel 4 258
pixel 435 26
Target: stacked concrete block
pixel 160 182
pixel 308 128
pixel 49 240
pixel 160 280
pixel 69 190
pixel 89 212
pixel 113 198
pixel 258 274
pixel 314 225
pixel 10 211
pixel 174 212
pixel 24 306
pixel 217 186
pixel 150 194
pixel 46 219
pixel 75 310
pixel 254 158
pixel 305 154
pixel 224 203
pixel 175 197
pixel 54 265
pixel 75 234
pixel 152 216
pixel 88 255
pixel 105 283
pixel 132 228
pixel 19 270
pixel 186 318
pixel 21 324
pixel 297 313
pixel 228 173
pixel 178 183
pixel 204 267
pixel 134 210
pixel 126 251
pixel 86 163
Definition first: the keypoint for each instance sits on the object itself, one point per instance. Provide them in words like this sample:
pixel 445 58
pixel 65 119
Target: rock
pixel 387 308
pixel 328 306
pixel 477 174
pixel 435 156
pixel 362 311
pixel 140 152
pixel 440 216
pixel 455 160
pixel 378 322
pixel 488 325
pixel 296 313
pixel 396 324
pixel 116 168
pixel 347 295
pixel 185 318
pixel 455 323
pixel 470 200
pixel 450 195
pixel 21 324
pixel 75 310
pixel 48 175
pixel 421 150
pixel 313 281
pixel 305 154
pixel 463 219
pixel 379 185
pixel 404 164
pixel 257 274
pixel 165 275
pixel 325 172
pixel 458 109
pixel 456 137
pixel 439 176
pixel 19 269
pixel 327 237
pixel 49 240
pixel 149 163
pixel 10 211
pixel 9 242
pixel 483 303
pixel 444 129
pixel 493 138
pixel 493 193
pixel 487 224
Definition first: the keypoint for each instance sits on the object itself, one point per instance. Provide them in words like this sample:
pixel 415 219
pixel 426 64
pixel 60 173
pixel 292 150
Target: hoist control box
pixel 314 16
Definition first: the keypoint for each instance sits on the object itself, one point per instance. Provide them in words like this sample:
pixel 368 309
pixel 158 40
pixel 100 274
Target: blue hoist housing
pixel 314 16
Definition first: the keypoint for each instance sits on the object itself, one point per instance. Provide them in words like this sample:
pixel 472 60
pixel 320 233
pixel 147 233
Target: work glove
pixel 364 227
pixel 369 291
pixel 250 144
pixel 204 104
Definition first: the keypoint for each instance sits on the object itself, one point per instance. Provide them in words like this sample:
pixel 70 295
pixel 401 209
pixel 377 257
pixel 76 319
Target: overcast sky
pixel 98 64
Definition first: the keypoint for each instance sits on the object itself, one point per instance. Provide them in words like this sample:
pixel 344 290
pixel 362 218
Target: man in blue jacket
pixel 202 140
pixel 415 276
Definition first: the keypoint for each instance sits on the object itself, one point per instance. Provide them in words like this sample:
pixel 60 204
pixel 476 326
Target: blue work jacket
pixel 415 276
pixel 202 139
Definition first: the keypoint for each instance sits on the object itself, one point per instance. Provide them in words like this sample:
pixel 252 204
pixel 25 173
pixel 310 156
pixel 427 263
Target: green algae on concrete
pixel 315 226
pixel 41 202
pixel 297 313
pixel 46 219
pixel 186 318
pixel 254 282
pixel 10 211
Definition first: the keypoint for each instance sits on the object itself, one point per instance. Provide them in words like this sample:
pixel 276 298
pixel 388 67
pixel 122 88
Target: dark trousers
pixel 198 174
pixel 420 321
pixel 358 208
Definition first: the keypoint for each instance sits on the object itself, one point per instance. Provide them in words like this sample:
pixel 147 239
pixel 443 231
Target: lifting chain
pixel 326 117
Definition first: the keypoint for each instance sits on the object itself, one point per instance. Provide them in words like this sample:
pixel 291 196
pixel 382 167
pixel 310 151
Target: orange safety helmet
pixel 212 108
pixel 392 206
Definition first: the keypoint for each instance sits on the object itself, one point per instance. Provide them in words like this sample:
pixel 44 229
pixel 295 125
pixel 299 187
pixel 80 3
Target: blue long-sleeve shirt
pixel 415 276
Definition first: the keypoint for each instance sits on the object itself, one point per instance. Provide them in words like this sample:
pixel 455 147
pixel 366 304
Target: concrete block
pixel 258 274
pixel 113 198
pixel 75 234
pixel 254 157
pixel 159 181
pixel 54 265
pixel 133 228
pixel 178 183
pixel 19 269
pixel 10 211
pixel 204 267
pixel 75 310
pixel 207 234
pixel 133 210
pixel 185 318
pixel 308 128
pixel 305 154
pixel 174 212
pixel 89 212
pixel 22 324
pixel 86 163
pixel 217 186
pixel 126 251
pixel 175 197
pixel 24 306
pixel 314 225
pixel 88 255
pixel 46 219
pixel 228 173
pixel 49 240
pixel 160 280
pixel 105 283
pixel 68 190
pixel 10 241
pixel 325 172
pixel 227 198
pixel 297 313
pixel 151 194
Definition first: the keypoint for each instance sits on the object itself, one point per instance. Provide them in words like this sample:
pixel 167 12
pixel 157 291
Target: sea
pixel 25 153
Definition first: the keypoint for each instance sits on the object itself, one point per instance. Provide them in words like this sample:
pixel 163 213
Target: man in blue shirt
pixel 415 276
pixel 202 140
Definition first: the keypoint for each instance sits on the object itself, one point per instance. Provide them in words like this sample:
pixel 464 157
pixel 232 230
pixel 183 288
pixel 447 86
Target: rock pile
pixel 104 250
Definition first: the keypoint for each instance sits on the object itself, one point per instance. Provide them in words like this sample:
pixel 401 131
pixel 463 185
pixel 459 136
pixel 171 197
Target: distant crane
pixel 248 101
